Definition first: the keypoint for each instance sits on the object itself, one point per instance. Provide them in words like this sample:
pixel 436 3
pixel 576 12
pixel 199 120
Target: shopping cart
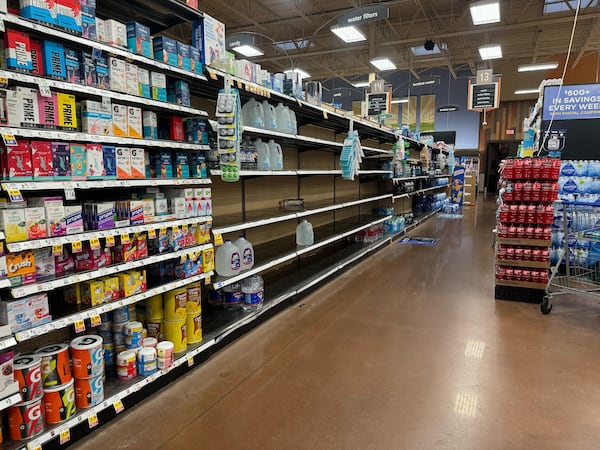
pixel 576 261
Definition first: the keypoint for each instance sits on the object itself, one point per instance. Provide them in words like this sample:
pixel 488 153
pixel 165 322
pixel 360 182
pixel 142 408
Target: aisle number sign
pixel 484 96
pixel 580 101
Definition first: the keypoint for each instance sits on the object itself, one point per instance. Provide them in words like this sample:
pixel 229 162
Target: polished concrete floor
pixel 407 350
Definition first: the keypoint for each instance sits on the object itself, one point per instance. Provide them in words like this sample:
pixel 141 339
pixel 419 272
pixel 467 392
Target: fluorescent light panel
pixel 490 52
pixel 485 12
pixel 526 91
pixel 399 100
pixel 541 66
pixel 361 84
pixel 349 34
pixel 302 73
pixel 383 64
pixel 248 51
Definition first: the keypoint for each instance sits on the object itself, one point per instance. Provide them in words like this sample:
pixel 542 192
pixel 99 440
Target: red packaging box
pixel 18 50
pixel 41 159
pixel 37 66
pixel 16 162
pixel 176 128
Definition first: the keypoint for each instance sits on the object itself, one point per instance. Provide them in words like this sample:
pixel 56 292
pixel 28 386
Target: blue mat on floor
pixel 451 216
pixel 428 242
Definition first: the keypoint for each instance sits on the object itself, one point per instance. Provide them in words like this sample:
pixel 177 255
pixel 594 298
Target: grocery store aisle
pixel 408 350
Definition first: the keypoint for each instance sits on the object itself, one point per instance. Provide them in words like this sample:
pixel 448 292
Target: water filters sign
pixel 578 101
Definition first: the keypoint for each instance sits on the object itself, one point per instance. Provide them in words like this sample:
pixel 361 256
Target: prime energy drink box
pixel 48 111
pixel 54 60
pixel 17 50
pixel 29 115
pixel 67 113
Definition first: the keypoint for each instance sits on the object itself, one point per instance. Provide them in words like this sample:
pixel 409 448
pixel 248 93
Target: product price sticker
pixel 95 243
pixel 110 241
pixel 3 80
pixel 218 239
pixel 118 405
pixel 184 227
pixel 163 232
pixel 76 246
pixel 70 194
pixel 93 421
pixel 190 361
pixel 125 238
pixel 15 195
pixel 44 88
pixel 95 320
pixel 212 75
pixel 151 233
pixel 79 326
pixel 65 436
pixel 175 229
pixel 9 139
pixel 325 116
pixel 208 280
pixel 34 446
pixel 57 250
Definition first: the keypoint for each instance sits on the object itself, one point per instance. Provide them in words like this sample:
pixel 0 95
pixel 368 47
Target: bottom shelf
pixel 519 294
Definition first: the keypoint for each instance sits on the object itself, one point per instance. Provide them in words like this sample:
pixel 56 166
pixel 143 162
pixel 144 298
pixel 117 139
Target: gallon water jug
pixel 254 292
pixel 275 155
pixel 253 114
pixel 305 234
pixel 270 116
pixel 263 158
pixel 246 252
pixel 293 122
pixel 227 260
pixel 232 296
pixel 283 118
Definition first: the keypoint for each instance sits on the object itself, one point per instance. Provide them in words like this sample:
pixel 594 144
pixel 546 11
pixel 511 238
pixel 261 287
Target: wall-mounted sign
pixel 484 96
pixel 510 132
pixel 485 76
pixel 448 108
pixel 358 16
pixel 423 82
pixel 377 103
pixel 581 101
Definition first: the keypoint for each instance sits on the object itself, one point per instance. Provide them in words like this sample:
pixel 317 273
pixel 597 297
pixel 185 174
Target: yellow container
pixel 175 332
pixel 194 299
pixel 194 328
pixel 208 260
pixel 174 304
pixel 154 308
pixel 92 292
pixel 203 233
pixel 111 288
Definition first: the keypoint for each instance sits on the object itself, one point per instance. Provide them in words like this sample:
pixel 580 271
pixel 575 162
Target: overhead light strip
pixel 349 34
pixel 526 91
pixel 541 66
pixel 485 12
pixel 383 64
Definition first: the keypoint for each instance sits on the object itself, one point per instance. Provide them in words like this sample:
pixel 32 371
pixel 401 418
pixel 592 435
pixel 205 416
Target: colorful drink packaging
pixel 95 162
pixel 48 111
pixel 61 160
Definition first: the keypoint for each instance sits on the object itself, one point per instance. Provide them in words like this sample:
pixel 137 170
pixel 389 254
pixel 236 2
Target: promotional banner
pixel 458 185
pixel 409 113
pixel 427 122
pixel 578 101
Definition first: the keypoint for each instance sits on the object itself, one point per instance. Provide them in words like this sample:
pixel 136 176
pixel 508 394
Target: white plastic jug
pixel 263 158
pixel 253 114
pixel 227 260
pixel 270 116
pixel 293 122
pixel 246 252
pixel 305 234
pixel 283 118
pixel 275 155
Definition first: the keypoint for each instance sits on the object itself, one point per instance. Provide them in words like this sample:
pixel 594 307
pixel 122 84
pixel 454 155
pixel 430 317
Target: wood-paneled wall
pixel 508 115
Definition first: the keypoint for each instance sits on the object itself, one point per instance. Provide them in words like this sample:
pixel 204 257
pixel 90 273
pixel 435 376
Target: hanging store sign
pixel 377 103
pixel 238 39
pixel 423 82
pixel 484 96
pixel 578 101
pixel 448 108
pixel 359 16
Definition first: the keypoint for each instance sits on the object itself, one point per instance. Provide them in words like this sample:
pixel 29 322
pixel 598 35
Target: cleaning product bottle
pixel 253 114
pixel 263 158
pixel 304 233
pixel 246 252
pixel 227 260
pixel 270 116
pixel 275 155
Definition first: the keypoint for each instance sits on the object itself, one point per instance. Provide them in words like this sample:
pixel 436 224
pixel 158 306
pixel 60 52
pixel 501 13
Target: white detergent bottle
pixel 270 116
pixel 246 252
pixel 253 114
pixel 283 118
pixel 293 122
pixel 305 234
pixel 227 260
pixel 275 155
pixel 263 158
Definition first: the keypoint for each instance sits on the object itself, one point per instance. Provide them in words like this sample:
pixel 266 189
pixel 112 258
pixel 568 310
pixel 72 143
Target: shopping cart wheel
pixel 546 305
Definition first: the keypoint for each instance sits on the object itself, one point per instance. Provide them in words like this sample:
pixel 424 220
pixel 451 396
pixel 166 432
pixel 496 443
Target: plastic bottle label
pixel 253 298
pixel 235 261
pixel 233 298
pixel 248 257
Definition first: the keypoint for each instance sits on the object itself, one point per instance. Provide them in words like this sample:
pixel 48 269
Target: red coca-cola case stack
pixel 525 216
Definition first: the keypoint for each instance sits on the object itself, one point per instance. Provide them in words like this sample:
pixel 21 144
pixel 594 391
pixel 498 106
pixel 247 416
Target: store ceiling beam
pixel 593 30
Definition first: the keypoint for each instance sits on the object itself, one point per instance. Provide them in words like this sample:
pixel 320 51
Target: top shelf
pixel 156 14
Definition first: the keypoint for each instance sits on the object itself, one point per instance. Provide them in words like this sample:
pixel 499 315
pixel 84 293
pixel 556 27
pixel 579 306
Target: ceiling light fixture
pixel 541 66
pixel 303 74
pixel 526 91
pixel 349 34
pixel 248 51
pixel 399 100
pixel 490 52
pixel 485 11
pixel 361 84
pixel 383 64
